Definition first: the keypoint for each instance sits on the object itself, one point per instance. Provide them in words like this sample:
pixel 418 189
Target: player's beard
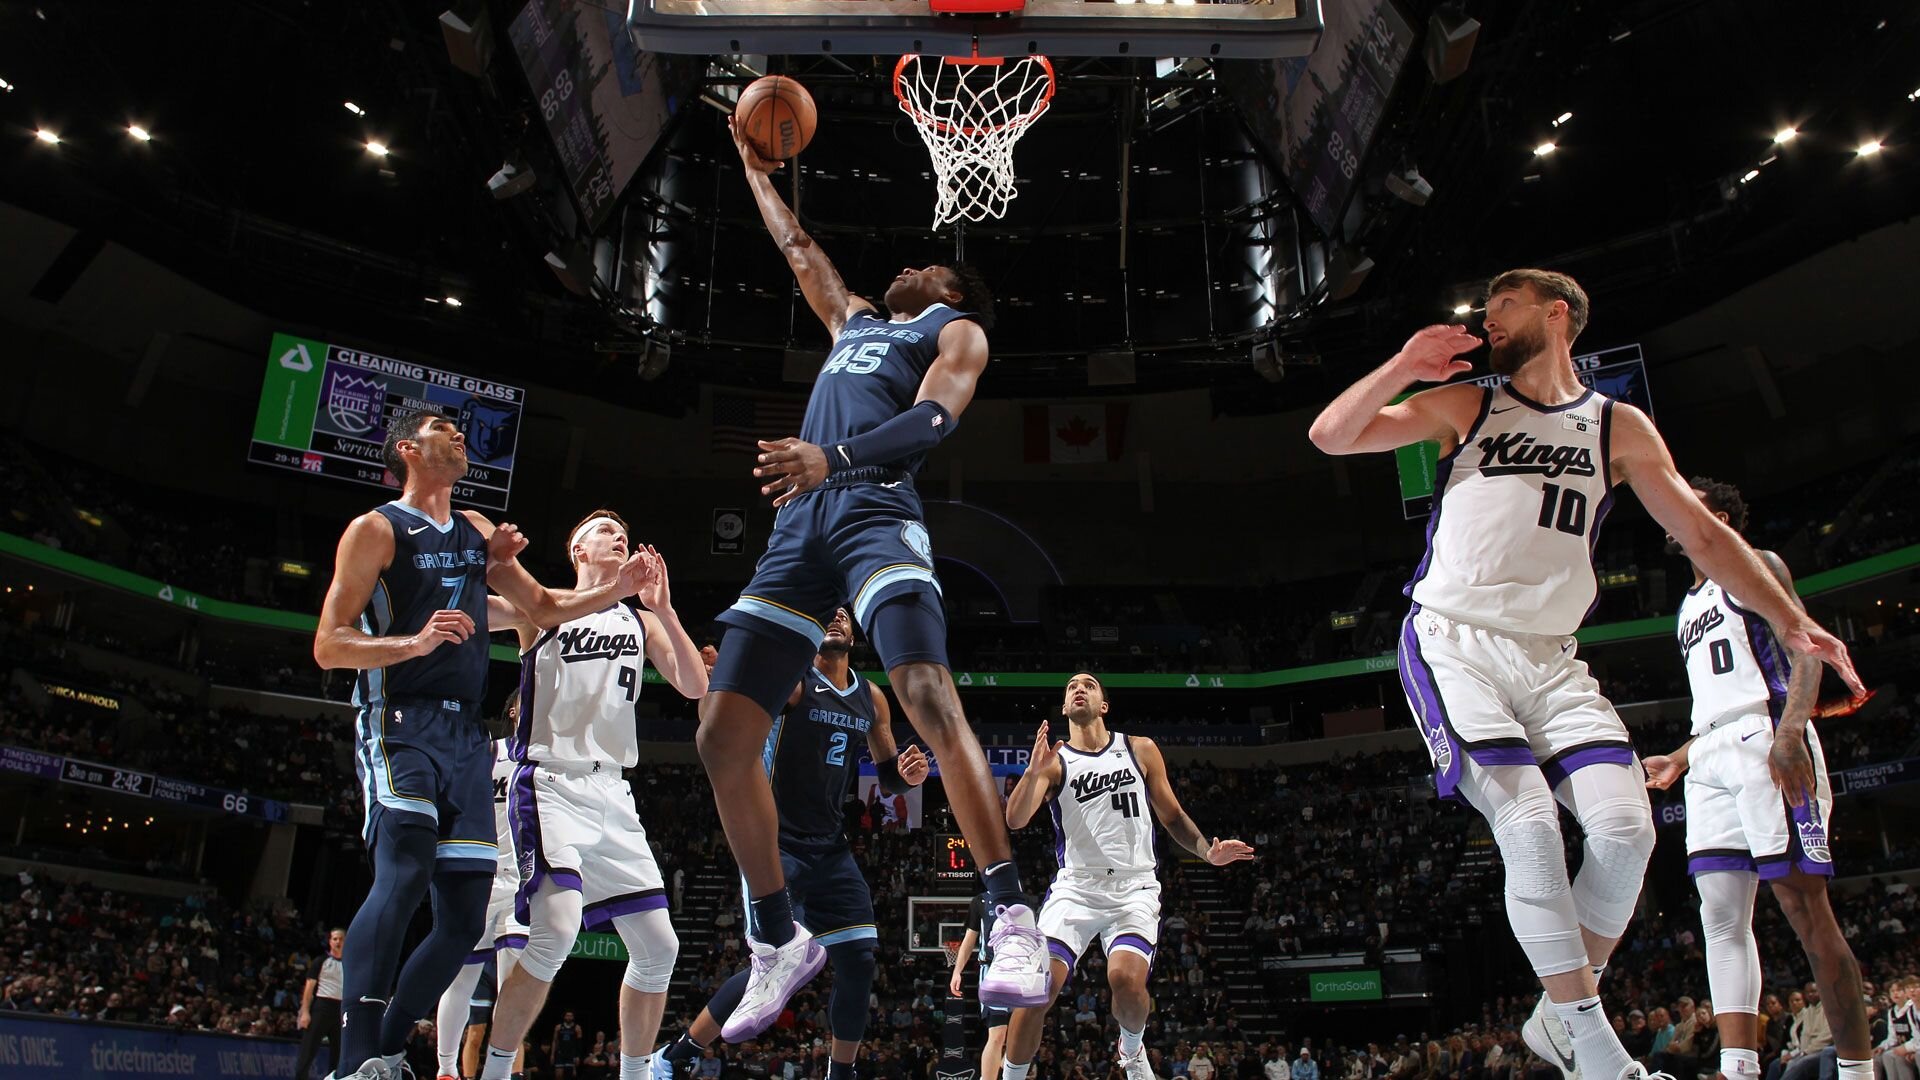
pixel 835 648
pixel 1512 354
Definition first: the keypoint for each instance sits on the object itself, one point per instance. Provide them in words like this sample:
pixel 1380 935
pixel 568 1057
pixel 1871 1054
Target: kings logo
pixel 353 403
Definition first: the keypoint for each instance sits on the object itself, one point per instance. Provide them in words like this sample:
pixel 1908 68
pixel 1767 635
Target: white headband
pixel 581 531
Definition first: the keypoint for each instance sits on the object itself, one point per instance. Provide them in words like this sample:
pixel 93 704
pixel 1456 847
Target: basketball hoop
pixel 952 949
pixel 970 111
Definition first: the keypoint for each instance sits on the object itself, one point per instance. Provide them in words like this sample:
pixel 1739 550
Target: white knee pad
pixel 1733 957
pixel 1611 804
pixel 652 947
pixel 553 922
pixel 1526 826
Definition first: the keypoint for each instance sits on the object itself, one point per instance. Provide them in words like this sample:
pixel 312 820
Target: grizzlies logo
pixel 914 535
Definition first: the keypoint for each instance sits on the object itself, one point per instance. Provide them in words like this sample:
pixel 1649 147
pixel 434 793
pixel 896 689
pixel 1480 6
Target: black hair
pixel 403 426
pixel 1723 498
pixel 975 296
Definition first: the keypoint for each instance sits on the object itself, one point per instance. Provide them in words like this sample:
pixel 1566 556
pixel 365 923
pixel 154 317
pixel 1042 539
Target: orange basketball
pixel 777 115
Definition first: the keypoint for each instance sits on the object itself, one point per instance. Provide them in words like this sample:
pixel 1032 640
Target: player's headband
pixel 586 526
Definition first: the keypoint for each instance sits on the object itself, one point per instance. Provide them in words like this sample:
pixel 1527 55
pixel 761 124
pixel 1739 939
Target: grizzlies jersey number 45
pixel 873 375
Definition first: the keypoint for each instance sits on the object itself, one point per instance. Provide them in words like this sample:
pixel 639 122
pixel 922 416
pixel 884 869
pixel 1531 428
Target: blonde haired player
pixel 1758 808
pixel 583 856
pixel 1512 720
pixel 1104 789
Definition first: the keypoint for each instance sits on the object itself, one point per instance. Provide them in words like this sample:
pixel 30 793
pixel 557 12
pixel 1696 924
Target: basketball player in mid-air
pixel 849 529
pixel 1105 789
pixel 584 859
pixel 503 934
pixel 811 760
pixel 1511 717
pixel 408 608
pixel 1758 805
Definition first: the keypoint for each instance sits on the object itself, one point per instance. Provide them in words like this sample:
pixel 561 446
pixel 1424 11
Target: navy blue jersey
pixel 873 375
pixel 432 569
pixel 811 755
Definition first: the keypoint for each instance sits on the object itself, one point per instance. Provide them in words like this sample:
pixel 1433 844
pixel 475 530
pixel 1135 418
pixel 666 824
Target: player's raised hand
pixel 1663 771
pixel 1228 851
pixel 748 155
pixel 1433 354
pixel 709 656
pixel 447 624
pixel 1814 641
pixel 1044 749
pixel 913 765
pixel 654 593
pixel 1791 765
pixel 636 573
pixel 791 467
pixel 506 543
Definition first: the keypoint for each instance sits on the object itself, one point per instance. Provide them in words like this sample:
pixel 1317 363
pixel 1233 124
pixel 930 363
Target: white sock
pixel 1010 1071
pixel 1130 1041
pixel 634 1068
pixel 1595 1045
pixel 1854 1070
pixel 450 1064
pixel 1738 1064
pixel 1598 970
pixel 499 1063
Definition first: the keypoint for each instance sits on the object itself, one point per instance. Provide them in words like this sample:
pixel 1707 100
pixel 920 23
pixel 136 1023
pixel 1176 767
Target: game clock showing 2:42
pixel 953 860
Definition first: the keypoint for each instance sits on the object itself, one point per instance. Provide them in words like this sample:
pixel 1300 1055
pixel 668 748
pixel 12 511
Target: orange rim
pixel 944 128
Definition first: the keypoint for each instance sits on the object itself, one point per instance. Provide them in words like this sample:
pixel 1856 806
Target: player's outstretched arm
pixel 968 943
pixel 1640 458
pixel 1665 770
pixel 1173 817
pixel 547 608
pixel 900 771
pixel 504 616
pixel 1364 420
pixel 819 282
pixel 670 649
pixel 338 642
pixel 1790 760
pixel 1040 781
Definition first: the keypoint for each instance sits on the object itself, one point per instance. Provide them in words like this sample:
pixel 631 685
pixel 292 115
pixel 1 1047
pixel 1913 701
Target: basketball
pixel 778 116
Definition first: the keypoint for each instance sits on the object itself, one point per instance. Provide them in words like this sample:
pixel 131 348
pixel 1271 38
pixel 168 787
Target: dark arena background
pixel 237 235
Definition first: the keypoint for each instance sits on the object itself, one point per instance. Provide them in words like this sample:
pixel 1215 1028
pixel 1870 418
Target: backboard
pixel 1264 29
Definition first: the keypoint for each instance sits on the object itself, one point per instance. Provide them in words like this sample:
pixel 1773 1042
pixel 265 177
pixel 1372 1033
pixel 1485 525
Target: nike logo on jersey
pixel 821 689
pixel 1694 632
pixel 584 643
pixel 1517 452
pixel 1497 412
pixel 421 529
pixel 1088 786
pixel 1748 735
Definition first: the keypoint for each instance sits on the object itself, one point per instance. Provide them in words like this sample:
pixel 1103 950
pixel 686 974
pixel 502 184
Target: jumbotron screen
pixel 324 411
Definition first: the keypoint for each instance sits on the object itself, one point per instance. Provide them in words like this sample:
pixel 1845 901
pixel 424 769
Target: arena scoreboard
pixel 324 411
pixel 953 859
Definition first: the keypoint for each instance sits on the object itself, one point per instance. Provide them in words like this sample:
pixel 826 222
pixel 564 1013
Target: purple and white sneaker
pixel 774 976
pixel 1019 976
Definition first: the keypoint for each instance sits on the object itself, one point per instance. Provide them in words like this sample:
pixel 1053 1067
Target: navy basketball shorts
pixel 860 545
pixel 430 758
pixel 830 894
pixel 993 1016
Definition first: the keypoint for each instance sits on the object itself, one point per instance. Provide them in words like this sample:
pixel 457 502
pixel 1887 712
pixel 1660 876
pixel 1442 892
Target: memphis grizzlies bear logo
pixel 914 535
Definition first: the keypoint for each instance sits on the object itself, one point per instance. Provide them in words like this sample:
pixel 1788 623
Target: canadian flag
pixel 1076 433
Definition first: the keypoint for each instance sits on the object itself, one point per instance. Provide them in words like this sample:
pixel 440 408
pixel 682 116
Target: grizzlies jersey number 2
pixel 1516 511
pixel 811 755
pixel 434 568
pixel 873 375
pixel 1101 817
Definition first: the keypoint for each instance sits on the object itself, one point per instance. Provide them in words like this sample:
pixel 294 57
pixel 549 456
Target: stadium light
pixel 354 109
pixel 139 133
pixel 1868 148
pixel 46 136
pixel 1750 174
pixel 377 148
pixel 7 87
pixel 1785 135
pixel 1463 309
pixel 453 301
pixel 1544 149
pixel 1562 118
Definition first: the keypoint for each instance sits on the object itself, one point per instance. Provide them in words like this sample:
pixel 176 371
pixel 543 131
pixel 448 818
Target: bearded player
pixel 1758 807
pixel 1512 719
pixel 1105 789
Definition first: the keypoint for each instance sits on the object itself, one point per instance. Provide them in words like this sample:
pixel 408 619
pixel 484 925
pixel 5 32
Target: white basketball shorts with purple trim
pixel 1503 698
pixel 1738 820
pixel 576 824
pixel 1121 911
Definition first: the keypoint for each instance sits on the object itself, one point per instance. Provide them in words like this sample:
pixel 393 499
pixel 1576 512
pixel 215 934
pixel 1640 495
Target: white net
pixel 970 113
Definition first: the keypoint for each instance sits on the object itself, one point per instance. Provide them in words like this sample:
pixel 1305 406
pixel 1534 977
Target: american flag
pixel 739 420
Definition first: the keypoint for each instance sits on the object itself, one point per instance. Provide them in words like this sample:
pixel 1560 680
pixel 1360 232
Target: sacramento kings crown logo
pixel 1813 842
pixel 353 403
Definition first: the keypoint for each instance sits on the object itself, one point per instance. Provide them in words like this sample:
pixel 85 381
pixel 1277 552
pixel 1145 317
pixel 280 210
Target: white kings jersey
pixel 1101 817
pixel 1735 666
pixel 1516 512
pixel 503 767
pixel 577 688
